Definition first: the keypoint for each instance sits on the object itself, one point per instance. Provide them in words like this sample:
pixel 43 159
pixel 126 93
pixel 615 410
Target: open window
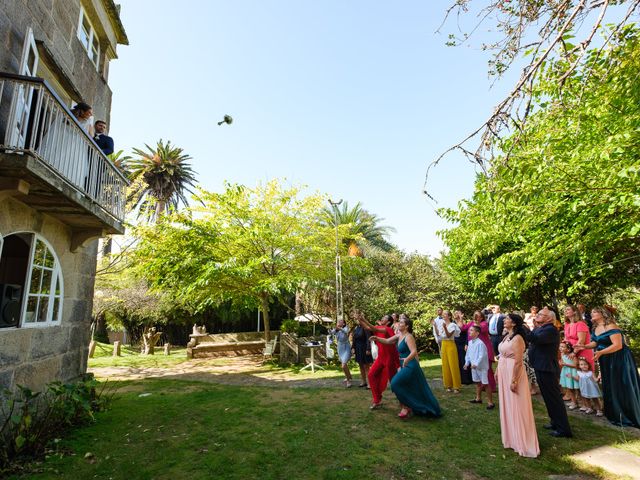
pixel 31 288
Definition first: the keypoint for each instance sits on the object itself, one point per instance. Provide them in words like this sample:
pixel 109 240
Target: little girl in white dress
pixel 589 389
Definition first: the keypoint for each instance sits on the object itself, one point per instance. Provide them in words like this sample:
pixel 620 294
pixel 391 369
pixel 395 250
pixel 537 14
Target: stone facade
pixel 55 26
pixel 33 354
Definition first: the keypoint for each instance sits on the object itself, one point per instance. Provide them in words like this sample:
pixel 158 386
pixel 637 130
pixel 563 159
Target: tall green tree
pixel 161 178
pixel 363 229
pixel 251 246
pixel 561 216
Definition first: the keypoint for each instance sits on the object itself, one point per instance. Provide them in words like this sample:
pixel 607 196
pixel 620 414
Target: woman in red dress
pixel 387 363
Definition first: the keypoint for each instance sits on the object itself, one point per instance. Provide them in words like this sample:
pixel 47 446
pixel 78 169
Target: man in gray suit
pixel 496 326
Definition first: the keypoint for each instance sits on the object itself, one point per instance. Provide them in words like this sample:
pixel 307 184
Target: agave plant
pixel 365 228
pixel 160 177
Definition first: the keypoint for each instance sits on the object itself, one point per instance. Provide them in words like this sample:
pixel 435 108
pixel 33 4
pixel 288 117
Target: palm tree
pixel 365 229
pixel 160 178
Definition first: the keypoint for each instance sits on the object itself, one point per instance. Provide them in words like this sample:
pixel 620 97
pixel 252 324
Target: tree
pixel 129 303
pixel 364 229
pixel 161 177
pixel 248 245
pixel 543 31
pixel 561 218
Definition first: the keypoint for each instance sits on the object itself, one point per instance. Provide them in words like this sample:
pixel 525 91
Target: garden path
pixel 247 370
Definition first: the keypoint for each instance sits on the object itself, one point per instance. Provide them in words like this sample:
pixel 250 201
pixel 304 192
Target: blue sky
pixel 352 98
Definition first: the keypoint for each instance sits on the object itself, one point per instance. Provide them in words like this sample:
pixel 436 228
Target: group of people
pixel 586 357
pixel 396 363
pixel 532 355
pixel 97 130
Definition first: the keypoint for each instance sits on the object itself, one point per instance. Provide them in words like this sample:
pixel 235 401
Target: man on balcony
pixel 104 141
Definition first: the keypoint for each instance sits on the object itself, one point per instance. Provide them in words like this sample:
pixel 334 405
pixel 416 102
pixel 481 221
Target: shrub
pixel 30 420
pixel 302 329
pixel 423 333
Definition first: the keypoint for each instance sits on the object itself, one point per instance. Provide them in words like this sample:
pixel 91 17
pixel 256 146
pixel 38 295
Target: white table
pixel 312 365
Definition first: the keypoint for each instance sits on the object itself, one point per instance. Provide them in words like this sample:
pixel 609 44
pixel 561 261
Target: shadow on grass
pixel 197 430
pixel 270 422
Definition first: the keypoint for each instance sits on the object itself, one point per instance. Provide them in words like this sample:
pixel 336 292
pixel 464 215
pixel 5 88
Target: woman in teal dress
pixel 618 370
pixel 409 384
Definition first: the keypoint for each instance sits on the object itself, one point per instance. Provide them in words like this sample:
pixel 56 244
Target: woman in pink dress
pixel 576 332
pixel 517 424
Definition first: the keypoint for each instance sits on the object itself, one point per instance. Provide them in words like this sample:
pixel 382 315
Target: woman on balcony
pixel 84 114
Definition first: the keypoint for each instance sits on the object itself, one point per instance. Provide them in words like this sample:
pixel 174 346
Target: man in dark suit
pixel 544 341
pixel 104 141
pixel 496 326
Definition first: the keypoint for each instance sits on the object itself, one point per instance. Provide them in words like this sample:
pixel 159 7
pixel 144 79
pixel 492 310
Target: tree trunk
pixel 264 306
pixel 298 306
pixel 160 207
pixel 149 339
pixel 100 334
pixel 107 246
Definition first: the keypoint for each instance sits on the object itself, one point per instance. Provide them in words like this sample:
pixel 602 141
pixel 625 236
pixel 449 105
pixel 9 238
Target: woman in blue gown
pixel 409 384
pixel 618 371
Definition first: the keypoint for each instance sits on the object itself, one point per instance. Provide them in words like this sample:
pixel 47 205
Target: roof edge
pixel 114 15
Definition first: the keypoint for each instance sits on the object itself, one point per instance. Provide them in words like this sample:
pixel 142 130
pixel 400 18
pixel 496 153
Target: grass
pixel 197 430
pixel 130 357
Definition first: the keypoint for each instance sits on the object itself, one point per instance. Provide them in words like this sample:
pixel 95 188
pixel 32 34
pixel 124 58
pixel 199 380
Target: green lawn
pixel 103 357
pixel 196 430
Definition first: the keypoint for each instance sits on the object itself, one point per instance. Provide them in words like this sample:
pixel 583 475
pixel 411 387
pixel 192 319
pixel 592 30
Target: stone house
pixel 58 192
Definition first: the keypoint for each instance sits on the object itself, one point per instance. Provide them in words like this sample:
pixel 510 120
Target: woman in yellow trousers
pixel 449 354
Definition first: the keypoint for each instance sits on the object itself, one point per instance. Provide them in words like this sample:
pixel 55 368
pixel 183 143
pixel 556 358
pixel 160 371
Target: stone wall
pixel 55 26
pixel 36 356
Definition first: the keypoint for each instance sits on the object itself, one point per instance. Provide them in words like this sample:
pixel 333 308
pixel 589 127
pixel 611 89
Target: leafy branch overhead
pixel 562 217
pixel 557 31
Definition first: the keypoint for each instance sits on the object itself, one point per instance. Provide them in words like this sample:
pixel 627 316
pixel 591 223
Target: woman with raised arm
pixel 410 384
pixel 386 363
pixel 362 352
pixel 618 370
pixel 341 333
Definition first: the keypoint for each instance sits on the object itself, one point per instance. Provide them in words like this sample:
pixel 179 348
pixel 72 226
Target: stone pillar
pixel 116 348
pixel 92 348
pixel 167 348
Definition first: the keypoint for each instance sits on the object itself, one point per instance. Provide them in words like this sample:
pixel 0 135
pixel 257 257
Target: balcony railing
pixel 34 121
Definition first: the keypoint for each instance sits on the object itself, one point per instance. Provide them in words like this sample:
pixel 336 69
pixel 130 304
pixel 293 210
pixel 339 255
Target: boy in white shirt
pixel 478 358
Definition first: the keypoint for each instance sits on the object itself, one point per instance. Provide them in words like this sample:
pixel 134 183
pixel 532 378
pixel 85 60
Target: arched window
pixel 31 286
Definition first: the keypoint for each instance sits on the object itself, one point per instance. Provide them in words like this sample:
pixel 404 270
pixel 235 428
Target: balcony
pixel 48 162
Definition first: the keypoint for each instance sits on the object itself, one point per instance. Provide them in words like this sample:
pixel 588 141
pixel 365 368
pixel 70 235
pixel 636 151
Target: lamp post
pixel 339 305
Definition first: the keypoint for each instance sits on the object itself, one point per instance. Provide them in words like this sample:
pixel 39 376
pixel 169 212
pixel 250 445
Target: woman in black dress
pixel 461 343
pixel 362 351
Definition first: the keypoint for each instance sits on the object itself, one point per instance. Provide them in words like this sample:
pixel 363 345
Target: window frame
pixel 91 37
pixel 56 273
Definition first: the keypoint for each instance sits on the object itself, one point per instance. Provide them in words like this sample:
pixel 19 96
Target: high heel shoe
pixel 404 413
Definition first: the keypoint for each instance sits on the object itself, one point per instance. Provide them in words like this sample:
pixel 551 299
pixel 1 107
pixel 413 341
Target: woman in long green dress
pixel 410 384
pixel 618 370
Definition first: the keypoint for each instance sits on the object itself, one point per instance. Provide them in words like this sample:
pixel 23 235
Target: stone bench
pixel 212 345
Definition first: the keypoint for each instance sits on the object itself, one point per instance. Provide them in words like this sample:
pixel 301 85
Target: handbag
pixel 374 350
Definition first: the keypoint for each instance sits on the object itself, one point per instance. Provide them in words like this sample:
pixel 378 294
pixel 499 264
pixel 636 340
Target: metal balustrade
pixel 34 121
